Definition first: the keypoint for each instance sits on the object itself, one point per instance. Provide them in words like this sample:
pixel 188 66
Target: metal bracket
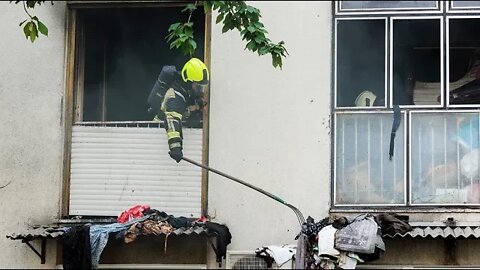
pixel 214 248
pixel 42 253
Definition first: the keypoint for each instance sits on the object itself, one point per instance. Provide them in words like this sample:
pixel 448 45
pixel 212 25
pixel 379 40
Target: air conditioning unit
pixel 236 259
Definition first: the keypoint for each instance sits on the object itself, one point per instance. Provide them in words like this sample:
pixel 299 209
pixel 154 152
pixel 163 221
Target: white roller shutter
pixel 114 168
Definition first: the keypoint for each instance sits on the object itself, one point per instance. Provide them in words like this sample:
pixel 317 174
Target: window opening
pixel 125 50
pixel 361 63
pixel 464 61
pixel 417 78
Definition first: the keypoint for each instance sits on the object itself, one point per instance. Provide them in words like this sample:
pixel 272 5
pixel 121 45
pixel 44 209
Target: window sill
pixel 96 220
pixel 400 209
pixel 425 217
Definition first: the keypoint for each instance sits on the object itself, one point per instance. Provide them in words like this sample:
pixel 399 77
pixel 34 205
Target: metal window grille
pixel 364 173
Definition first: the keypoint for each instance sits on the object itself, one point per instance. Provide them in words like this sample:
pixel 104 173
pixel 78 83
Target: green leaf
pixel 276 61
pixel 251 46
pixel 176 43
pixel 190 8
pixel 251 29
pixel 225 28
pixel 31 4
pixel 169 37
pixel 26 30
pixel 262 30
pixel 207 6
pixel 173 26
pixel 42 28
pixel 33 32
pixel 259 25
pixel 262 51
pixel 220 17
pixel 193 44
pixel 259 39
pixel 188 31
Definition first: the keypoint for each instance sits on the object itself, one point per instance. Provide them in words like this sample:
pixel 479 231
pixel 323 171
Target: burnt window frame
pixel 73 81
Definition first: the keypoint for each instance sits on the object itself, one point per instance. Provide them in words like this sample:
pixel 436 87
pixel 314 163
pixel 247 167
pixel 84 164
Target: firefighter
pixel 175 95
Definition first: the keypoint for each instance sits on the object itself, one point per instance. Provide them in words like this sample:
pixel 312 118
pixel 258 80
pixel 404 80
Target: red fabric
pixel 134 212
pixel 202 219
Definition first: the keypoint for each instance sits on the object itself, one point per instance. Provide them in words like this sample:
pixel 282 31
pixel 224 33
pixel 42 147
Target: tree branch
pixel 191 11
pixel 25 8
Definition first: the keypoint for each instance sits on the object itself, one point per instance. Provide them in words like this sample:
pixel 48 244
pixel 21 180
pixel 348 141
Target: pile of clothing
pixel 83 244
pixel 343 242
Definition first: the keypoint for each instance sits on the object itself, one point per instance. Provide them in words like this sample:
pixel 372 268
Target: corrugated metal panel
pixel 191 230
pixel 114 168
pixel 441 232
pixel 54 232
pixel 34 233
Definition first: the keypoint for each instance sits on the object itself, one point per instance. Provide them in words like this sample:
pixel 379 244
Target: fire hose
pixel 297 212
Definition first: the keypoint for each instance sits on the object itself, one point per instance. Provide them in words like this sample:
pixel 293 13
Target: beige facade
pixel 32 89
pixel 269 127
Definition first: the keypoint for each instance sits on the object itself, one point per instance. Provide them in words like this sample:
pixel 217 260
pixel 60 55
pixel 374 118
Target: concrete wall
pixel 270 127
pixel 31 130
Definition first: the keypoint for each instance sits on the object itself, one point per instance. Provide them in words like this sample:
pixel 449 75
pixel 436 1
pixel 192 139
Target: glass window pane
pixel 465 4
pixel 444 158
pixel 416 62
pixel 364 173
pixel 366 5
pixel 361 63
pixel 464 61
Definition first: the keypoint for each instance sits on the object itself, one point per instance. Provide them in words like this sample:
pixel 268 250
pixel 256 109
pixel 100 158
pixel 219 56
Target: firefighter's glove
pixel 176 153
pixel 156 119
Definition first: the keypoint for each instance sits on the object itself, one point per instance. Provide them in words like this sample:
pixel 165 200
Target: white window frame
pixel 409 180
pixel 442 79
pixel 404 162
pixel 451 9
pixel 72 81
pixel 336 65
pixel 423 10
pixel 447 64
pixel 407 110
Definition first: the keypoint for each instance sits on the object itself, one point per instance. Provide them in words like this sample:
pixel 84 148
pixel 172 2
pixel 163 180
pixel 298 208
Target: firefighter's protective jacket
pixel 169 99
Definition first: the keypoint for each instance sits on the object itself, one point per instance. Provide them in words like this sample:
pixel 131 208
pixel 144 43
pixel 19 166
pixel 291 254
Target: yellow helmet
pixel 195 71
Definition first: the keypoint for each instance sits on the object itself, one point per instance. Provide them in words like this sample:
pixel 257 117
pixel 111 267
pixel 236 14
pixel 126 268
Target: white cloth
pixel 469 164
pixel 348 260
pixel 326 241
pixel 281 255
